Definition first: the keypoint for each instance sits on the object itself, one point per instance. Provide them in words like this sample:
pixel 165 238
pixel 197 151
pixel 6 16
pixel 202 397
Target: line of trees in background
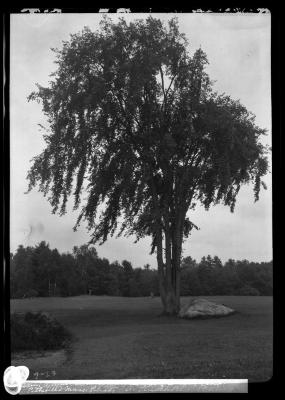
pixel 41 271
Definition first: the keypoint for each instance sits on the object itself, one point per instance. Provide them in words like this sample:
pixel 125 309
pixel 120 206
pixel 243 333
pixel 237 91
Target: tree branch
pixel 174 76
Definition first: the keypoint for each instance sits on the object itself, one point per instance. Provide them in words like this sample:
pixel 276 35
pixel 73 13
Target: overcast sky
pixel 238 50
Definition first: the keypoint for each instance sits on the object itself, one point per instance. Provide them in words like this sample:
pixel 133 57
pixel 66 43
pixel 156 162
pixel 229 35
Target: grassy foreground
pixel 127 338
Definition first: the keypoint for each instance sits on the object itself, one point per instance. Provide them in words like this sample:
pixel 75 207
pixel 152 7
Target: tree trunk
pixel 171 302
pixel 161 275
pixel 169 280
pixel 170 298
pixel 169 273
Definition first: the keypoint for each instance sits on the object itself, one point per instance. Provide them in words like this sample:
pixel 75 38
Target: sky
pixel 238 50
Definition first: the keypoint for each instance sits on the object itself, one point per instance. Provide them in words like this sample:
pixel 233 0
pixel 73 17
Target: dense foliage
pixel 134 124
pixel 40 271
pixel 37 331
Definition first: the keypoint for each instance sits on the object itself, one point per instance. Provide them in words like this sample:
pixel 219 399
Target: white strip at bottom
pixel 136 386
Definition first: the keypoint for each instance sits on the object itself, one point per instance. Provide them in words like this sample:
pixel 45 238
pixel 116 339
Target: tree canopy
pixel 135 125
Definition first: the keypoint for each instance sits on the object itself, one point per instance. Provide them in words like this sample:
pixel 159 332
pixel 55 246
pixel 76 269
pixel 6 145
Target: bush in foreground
pixel 37 331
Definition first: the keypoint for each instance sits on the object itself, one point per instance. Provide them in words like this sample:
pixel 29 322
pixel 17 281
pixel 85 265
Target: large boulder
pixel 202 308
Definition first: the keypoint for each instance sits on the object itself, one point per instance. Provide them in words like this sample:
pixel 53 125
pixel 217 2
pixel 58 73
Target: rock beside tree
pixel 202 308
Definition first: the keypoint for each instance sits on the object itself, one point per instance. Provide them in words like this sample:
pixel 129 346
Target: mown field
pixel 127 338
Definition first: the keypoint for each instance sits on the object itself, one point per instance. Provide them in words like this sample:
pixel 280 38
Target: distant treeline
pixel 41 271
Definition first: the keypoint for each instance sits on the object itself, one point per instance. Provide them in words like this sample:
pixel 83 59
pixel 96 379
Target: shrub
pixel 37 331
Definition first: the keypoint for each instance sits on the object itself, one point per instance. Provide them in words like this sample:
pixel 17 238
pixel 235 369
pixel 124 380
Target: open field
pixel 120 338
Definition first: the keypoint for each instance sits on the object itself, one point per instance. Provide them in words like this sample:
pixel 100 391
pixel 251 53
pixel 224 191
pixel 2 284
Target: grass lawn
pixel 127 338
